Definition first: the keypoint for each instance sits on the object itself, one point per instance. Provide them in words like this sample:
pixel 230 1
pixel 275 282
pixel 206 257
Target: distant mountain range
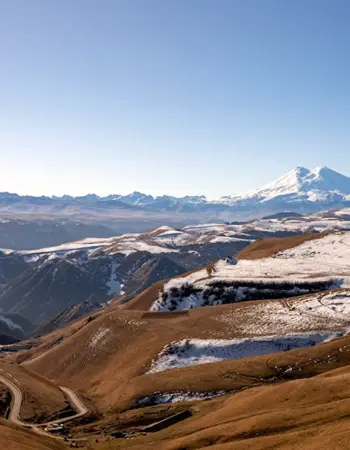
pixel 51 286
pixel 300 190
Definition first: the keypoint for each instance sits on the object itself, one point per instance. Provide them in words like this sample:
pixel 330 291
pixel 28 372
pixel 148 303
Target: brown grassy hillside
pixel 292 399
pixel 41 397
pixel 113 352
pixel 15 438
pixel 143 301
pixel 264 248
pixel 308 413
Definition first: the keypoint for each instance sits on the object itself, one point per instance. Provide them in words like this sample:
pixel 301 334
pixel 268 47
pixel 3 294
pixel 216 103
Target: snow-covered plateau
pixel 316 265
pixel 167 239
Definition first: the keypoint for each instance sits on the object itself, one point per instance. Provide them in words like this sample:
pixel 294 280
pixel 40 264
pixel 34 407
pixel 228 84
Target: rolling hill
pixel 158 342
pixel 11 435
pixel 253 373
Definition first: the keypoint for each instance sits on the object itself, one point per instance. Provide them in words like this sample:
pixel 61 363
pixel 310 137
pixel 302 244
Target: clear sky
pixel 170 96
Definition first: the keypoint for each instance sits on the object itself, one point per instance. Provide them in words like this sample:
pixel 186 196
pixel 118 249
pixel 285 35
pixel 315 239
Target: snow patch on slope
pixel 161 398
pixel 99 337
pixel 314 266
pixel 190 352
pixel 321 258
pixel 129 246
pixel 10 323
pixel 115 287
pixel 322 311
pixel 88 243
pixel 343 212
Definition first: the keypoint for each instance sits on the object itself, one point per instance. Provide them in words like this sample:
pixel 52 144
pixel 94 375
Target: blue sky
pixel 177 97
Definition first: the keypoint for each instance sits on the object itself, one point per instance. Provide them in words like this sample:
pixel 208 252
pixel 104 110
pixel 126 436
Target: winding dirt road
pixel 16 404
pixel 16 401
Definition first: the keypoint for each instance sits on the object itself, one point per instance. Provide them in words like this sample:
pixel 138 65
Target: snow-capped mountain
pixel 317 185
pixel 135 198
pixel 300 190
pixel 140 199
pixel 321 185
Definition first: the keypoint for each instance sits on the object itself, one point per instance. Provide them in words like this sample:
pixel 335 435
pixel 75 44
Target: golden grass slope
pixel 40 396
pixel 310 413
pixel 15 438
pixel 267 247
pixel 295 399
pixel 108 358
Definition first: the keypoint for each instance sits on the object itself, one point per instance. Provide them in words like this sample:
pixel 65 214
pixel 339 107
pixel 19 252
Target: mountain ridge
pixel 301 190
pixel 299 176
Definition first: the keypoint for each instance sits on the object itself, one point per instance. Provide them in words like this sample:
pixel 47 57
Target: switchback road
pixel 16 404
